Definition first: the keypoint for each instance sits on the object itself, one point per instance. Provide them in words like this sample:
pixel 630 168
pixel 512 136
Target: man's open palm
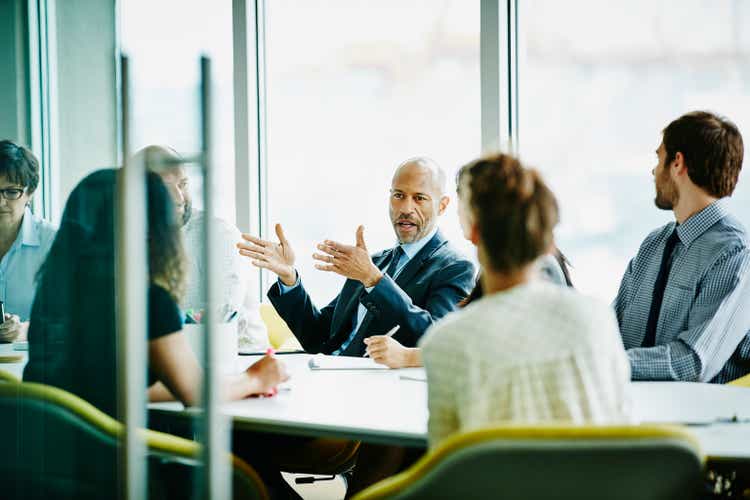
pixel 276 257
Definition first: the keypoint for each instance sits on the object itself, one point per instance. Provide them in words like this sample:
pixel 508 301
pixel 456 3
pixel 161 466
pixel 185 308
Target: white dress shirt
pixel 21 262
pixel 536 352
pixel 239 294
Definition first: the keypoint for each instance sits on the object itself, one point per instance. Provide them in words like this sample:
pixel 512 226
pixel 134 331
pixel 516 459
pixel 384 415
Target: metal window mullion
pixel 512 69
pixel 246 136
pixel 496 75
pixel 132 285
pixel 262 123
pixel 42 101
pixel 216 478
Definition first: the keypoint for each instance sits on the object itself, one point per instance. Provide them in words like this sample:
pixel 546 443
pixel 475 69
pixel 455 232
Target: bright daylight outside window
pixel 164 41
pixel 354 88
pixel 598 82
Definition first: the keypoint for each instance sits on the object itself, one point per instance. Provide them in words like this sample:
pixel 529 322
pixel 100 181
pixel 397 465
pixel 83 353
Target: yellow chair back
pixel 279 334
pixel 741 382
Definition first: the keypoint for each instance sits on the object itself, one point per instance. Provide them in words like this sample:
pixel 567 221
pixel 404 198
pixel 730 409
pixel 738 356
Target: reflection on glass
pixel 354 89
pixel 598 82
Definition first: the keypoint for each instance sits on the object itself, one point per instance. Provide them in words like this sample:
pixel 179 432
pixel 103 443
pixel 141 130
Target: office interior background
pixel 315 102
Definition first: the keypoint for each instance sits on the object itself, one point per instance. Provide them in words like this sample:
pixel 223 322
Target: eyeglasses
pixel 11 194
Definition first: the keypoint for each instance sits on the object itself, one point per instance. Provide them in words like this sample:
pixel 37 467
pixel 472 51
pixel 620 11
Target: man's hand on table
pixel 389 352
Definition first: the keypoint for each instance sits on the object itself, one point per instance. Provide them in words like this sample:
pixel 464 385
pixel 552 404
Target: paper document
pixel 22 345
pixel 322 362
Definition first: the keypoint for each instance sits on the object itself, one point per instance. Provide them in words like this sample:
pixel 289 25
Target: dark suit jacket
pixel 430 286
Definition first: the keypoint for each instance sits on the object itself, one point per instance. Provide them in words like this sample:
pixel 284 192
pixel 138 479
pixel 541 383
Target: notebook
pixel 322 362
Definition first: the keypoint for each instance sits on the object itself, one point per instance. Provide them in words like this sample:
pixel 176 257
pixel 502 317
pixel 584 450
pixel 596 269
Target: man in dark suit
pixel 410 286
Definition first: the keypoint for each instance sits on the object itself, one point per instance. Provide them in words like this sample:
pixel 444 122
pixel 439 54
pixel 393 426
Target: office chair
pixel 58 446
pixel 542 462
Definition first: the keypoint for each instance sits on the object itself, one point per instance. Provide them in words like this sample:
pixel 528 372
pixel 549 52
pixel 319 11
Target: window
pixel 598 81
pixel 165 41
pixel 353 89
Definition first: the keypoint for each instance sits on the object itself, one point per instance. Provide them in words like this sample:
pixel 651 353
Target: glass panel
pixel 165 41
pixel 595 92
pixel 353 89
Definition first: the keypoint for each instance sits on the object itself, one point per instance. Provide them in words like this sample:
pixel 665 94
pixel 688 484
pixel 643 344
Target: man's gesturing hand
pixel 276 257
pixel 353 262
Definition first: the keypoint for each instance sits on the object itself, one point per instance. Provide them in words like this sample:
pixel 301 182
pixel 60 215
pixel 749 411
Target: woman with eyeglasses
pixel 25 238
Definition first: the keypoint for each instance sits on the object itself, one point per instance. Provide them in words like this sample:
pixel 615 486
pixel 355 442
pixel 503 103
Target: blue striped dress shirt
pixel 702 330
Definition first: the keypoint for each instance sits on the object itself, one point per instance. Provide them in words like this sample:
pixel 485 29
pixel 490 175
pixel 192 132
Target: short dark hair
pixel 514 210
pixel 712 148
pixel 19 165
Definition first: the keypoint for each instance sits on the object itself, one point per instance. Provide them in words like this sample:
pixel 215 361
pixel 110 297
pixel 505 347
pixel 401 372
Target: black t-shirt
pixel 164 317
pixel 79 352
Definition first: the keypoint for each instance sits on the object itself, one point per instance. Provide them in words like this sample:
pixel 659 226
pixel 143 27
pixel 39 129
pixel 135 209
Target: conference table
pixel 390 406
pixel 386 406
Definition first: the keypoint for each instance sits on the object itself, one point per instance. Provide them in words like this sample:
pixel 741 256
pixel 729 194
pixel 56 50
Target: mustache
pixel 405 218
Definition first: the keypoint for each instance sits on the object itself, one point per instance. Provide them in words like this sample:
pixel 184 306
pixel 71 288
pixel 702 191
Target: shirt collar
pixel 411 249
pixel 29 230
pixel 699 223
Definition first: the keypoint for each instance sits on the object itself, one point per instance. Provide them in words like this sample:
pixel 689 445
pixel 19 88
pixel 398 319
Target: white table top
pixel 383 407
pixel 14 368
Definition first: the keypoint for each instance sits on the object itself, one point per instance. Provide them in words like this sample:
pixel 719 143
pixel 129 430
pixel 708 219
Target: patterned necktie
pixel 661 282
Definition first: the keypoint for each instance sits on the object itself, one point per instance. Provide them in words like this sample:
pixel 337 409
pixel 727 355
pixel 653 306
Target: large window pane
pixel 165 41
pixel 354 88
pixel 598 82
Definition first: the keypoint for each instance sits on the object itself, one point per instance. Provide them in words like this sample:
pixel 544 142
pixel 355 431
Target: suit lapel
pixel 416 263
pixel 346 309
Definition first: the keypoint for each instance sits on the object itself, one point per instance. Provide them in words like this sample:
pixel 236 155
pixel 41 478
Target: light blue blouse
pixel 19 265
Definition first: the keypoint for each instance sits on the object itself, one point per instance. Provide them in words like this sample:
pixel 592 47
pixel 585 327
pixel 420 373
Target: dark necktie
pixel 396 257
pixel 661 282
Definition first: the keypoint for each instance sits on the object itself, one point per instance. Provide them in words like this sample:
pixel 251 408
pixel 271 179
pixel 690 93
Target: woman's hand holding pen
pixel 266 374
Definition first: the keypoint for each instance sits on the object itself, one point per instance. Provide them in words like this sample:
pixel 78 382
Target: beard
pixel 187 211
pixel 666 193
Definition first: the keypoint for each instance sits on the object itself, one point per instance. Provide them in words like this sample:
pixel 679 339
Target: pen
pixel 270 352
pixel 389 334
pixel 231 317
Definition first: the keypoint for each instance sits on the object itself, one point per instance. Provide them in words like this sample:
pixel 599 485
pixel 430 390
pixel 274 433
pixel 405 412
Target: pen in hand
pixel 270 352
pixel 389 334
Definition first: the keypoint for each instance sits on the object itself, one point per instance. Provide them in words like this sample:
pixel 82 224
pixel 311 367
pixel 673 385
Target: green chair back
pixel 529 463
pixel 58 446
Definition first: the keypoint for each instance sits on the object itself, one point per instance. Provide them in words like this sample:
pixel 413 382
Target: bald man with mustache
pixel 411 286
